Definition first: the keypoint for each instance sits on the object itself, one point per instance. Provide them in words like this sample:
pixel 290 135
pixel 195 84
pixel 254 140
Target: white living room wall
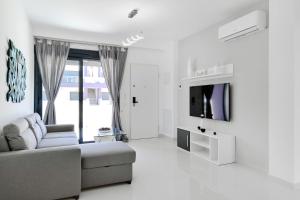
pixel 284 87
pixel 281 137
pixel 14 25
pixel 297 89
pixel 249 89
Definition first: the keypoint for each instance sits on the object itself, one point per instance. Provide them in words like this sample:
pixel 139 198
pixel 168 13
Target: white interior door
pixel 144 101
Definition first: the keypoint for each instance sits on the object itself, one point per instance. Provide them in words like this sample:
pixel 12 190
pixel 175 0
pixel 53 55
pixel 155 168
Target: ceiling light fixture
pixel 133 13
pixel 133 39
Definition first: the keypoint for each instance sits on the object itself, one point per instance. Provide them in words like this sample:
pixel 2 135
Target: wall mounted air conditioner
pixel 250 23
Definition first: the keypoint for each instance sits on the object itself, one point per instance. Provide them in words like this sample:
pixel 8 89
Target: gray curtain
pixel 113 63
pixel 51 56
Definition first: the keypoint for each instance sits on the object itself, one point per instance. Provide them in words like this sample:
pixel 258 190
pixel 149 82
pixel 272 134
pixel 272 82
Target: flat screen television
pixel 210 101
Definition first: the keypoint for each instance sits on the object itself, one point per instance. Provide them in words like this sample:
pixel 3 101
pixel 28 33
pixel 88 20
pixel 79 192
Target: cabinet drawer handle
pixel 187 140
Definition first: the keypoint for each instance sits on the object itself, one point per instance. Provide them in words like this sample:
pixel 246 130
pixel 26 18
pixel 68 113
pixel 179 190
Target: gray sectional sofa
pixel 46 162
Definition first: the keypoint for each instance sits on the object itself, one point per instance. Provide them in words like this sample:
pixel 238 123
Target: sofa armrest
pixel 59 128
pixel 50 173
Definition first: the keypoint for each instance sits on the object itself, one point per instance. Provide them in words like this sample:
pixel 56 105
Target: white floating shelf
pixel 224 71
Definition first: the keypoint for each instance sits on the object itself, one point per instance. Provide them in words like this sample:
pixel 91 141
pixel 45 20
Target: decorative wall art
pixel 16 74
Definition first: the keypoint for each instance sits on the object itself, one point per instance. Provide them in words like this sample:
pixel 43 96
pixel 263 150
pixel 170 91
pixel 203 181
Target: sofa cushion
pixel 29 139
pixel 3 144
pixel 55 142
pixel 37 132
pixel 31 119
pixel 37 116
pixel 42 126
pixel 19 135
pixel 40 122
pixel 60 135
pixel 103 154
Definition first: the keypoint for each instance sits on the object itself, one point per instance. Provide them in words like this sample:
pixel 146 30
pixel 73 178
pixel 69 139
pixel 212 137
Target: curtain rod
pixel 76 41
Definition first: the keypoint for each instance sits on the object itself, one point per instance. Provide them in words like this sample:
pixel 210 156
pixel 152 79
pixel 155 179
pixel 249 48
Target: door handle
pixel 187 141
pixel 134 101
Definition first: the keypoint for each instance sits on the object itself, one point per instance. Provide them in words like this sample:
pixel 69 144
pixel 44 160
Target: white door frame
pixel 130 96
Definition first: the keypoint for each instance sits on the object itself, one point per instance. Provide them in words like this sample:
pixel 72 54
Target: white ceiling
pixel 163 19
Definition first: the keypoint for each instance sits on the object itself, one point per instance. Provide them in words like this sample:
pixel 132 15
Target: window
pixel 83 98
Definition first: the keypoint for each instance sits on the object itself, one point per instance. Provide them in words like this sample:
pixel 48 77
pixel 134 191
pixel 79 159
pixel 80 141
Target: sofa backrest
pixel 40 122
pixel 3 144
pixel 34 126
pixel 19 136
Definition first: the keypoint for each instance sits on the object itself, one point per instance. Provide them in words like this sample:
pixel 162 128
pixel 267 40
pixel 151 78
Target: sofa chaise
pixel 40 162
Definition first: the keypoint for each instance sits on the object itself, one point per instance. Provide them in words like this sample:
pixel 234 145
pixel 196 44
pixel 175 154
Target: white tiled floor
pixel 162 171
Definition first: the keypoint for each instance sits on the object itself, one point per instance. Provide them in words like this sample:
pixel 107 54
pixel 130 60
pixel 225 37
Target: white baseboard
pixel 291 185
pixel 163 135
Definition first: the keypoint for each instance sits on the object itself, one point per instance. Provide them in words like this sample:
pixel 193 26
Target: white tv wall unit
pixel 218 149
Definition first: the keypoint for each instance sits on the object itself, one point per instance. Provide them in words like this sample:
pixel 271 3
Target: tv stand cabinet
pixel 218 149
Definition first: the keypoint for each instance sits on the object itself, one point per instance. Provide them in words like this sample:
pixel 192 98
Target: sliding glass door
pixel 97 106
pixel 83 99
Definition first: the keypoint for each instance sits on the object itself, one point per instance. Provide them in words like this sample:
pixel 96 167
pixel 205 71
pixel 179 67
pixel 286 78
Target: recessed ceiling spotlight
pixel 133 13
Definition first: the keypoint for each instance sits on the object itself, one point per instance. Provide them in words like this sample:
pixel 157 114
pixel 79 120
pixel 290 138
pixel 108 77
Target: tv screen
pixel 210 101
